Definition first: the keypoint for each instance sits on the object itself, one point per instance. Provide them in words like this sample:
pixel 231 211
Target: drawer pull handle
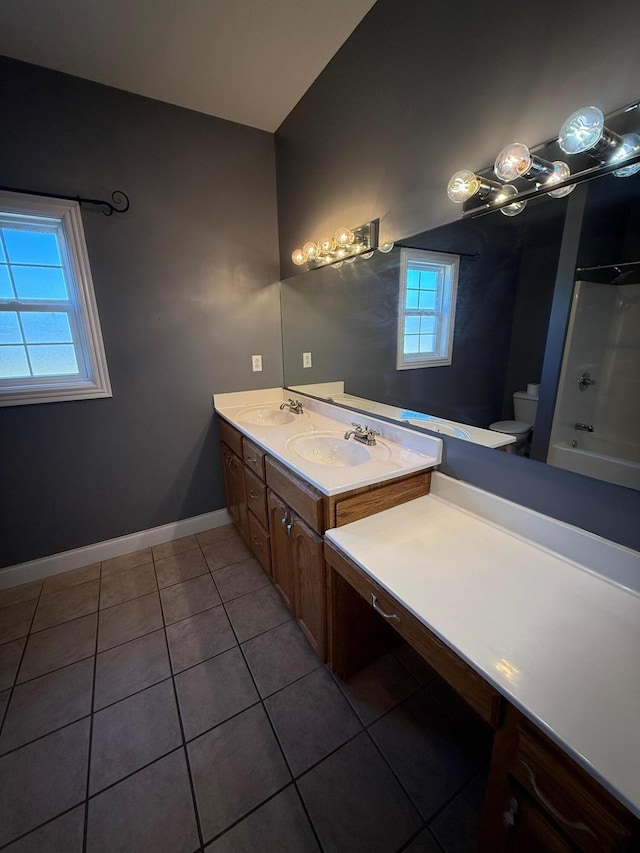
pixel 257 541
pixel 253 496
pixel 377 608
pixel 289 526
pixel 574 824
pixel 252 460
pixel 283 520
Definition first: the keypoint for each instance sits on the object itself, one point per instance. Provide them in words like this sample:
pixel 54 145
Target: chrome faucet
pixel 584 381
pixel 585 427
pixel 363 434
pixel 294 406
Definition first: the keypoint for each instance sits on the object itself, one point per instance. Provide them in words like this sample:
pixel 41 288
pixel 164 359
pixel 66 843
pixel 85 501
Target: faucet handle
pixel 357 426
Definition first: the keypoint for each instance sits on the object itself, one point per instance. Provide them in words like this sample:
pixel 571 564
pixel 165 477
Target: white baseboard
pixel 85 556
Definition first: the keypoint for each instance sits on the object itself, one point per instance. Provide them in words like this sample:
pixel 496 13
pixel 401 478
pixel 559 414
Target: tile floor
pixel 165 701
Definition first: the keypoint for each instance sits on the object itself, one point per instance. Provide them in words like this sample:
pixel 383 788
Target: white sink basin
pixel 265 416
pixel 328 448
pixel 440 426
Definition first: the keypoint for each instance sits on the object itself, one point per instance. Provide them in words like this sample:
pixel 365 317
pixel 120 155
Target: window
pixel 50 341
pixel 426 308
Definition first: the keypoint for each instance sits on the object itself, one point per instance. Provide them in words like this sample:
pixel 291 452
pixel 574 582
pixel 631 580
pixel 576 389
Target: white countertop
pixel 559 641
pixel 399 451
pixel 335 391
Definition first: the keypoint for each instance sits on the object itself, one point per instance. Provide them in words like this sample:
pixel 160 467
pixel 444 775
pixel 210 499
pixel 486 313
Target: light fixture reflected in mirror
pixel 465 185
pixel 585 132
pixel 516 161
pixel 346 245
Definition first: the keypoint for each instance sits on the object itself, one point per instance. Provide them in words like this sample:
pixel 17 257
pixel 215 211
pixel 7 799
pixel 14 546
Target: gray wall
pixel 438 87
pixel 186 292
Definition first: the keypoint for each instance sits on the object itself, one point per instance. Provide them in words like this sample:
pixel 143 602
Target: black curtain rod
pixel 120 199
pixel 609 266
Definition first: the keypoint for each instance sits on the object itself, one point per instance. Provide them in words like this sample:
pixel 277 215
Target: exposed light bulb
pixel 349 260
pixel 326 245
pixel 462 185
pixel 386 247
pixel 310 251
pixel 367 255
pixel 341 253
pixel 298 257
pixel 513 162
pixel 506 192
pixel 560 173
pixel 630 147
pixel 344 237
pixel 582 131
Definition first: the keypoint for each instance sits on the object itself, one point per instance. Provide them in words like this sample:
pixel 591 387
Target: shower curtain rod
pixel 619 266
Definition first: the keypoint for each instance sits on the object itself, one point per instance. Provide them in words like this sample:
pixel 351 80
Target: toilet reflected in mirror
pixel 525 407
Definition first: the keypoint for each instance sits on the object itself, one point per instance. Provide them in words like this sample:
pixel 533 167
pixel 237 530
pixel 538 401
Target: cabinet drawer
pixel 486 701
pixel 256 497
pixel 260 543
pixel 300 496
pixel 253 457
pixel 230 436
pixel 567 795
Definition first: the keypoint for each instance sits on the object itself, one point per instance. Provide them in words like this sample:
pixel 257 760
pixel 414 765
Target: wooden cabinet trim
pixel 378 497
pixel 230 436
pixel 483 698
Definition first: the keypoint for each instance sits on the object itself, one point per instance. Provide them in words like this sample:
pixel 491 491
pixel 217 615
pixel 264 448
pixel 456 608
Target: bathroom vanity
pixel 508 606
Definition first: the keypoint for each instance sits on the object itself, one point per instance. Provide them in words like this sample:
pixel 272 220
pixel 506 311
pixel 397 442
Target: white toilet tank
pixel 525 405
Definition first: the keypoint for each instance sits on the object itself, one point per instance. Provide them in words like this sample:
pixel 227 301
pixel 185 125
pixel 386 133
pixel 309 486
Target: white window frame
pixel 40 212
pixel 447 267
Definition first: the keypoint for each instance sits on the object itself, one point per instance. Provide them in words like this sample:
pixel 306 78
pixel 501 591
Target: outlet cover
pixel 256 363
pixel 306 359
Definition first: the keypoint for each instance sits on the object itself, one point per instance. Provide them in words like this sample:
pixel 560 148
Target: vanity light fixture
pixel 465 185
pixel 585 132
pixel 516 161
pixel 345 246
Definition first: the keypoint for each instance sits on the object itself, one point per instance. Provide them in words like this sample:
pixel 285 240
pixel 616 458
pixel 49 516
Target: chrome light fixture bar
pixel 467 187
pixel 344 247
pixel 516 161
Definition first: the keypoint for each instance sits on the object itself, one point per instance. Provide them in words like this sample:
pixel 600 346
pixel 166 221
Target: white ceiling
pixel 248 61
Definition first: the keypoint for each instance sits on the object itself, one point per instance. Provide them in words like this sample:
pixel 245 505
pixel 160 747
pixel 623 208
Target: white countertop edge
pixel 584 549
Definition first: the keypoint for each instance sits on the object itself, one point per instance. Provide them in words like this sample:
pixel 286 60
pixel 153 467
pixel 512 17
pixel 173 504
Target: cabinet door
pixel 310 584
pixel 233 470
pixel 531 831
pixel 281 558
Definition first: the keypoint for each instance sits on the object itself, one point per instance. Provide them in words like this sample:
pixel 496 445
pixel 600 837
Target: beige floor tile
pixel 126 561
pixel 180 567
pixel 225 552
pixel 18 594
pixel 215 534
pixel 176 546
pixel 16 620
pixel 129 620
pixel 131 583
pixel 65 605
pixel 55 583
pixel 59 646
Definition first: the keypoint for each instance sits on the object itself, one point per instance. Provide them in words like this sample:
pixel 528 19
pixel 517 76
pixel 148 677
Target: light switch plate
pixel 306 359
pixel 256 363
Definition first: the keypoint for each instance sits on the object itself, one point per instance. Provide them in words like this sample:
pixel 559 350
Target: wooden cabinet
pixel 540 801
pixel 233 472
pixel 282 518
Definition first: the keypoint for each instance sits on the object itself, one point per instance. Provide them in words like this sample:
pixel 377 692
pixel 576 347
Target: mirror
pixel 516 299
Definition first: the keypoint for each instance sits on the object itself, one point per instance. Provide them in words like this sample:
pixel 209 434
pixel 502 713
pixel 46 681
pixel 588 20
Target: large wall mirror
pixel 547 306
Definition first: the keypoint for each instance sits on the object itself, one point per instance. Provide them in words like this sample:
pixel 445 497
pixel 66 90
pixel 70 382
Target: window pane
pixel 54 360
pixel 412 298
pixel 428 280
pixel 13 363
pixel 6 291
pixel 428 300
pixel 427 343
pixel 428 325
pixel 31 247
pixel 413 278
pixel 44 327
pixel 2 257
pixel 9 328
pixel 410 343
pixel 40 283
pixel 412 325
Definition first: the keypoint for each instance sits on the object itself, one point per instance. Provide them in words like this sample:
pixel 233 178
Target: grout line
pixel 40 825
pixel 275 734
pixel 250 812
pixel 24 650
pixel 93 699
pixel 183 745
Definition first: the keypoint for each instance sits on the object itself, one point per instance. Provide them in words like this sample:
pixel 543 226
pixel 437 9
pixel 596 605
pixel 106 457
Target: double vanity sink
pixel 313 444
